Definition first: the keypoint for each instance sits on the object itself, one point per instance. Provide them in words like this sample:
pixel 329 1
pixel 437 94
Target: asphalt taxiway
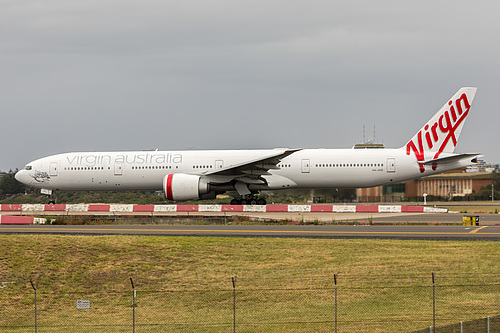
pixel 419 226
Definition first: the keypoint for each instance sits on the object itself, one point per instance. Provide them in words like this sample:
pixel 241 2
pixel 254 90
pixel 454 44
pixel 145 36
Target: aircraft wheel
pixel 235 202
pixel 261 201
pixel 252 201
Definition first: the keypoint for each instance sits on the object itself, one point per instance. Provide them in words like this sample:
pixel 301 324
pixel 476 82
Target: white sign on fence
pixel 83 304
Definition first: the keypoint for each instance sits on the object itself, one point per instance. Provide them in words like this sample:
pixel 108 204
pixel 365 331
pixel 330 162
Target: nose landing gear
pixel 50 195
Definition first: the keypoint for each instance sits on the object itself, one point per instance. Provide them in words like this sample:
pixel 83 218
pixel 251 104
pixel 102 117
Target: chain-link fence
pixel 298 303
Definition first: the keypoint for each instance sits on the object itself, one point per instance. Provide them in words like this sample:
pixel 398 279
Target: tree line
pixel 10 186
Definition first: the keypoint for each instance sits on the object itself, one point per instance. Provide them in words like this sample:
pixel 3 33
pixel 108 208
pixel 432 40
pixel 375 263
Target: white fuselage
pixel 145 170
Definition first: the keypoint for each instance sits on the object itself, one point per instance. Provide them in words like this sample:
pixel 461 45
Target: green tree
pixel 9 185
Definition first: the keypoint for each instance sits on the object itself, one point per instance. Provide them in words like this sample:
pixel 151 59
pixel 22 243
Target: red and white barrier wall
pixel 7 219
pixel 39 208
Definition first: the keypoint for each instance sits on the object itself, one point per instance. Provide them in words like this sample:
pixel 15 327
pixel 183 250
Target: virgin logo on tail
pixel 446 125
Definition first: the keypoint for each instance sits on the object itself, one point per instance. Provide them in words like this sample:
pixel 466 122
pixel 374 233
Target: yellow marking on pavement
pixel 476 230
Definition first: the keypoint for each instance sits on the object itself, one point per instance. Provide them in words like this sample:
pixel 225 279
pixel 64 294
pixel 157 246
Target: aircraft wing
pixel 252 169
pixel 451 159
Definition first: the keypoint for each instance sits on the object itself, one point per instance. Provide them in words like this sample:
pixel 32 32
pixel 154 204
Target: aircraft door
pixel 306 166
pixel 118 169
pixel 53 168
pixel 219 164
pixel 391 165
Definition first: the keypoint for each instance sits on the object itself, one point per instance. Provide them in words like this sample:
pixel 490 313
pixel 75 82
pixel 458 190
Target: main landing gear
pixel 249 200
pixel 247 197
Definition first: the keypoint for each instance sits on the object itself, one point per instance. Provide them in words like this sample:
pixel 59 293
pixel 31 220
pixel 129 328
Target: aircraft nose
pixel 18 175
pixel 22 177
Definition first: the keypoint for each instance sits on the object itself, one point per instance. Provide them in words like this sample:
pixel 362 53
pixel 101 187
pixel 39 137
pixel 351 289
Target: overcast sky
pixel 132 75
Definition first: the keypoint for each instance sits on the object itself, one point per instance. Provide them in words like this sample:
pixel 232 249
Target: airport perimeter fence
pixel 289 303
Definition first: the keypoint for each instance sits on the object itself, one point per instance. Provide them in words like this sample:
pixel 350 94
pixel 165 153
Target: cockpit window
pixel 28 167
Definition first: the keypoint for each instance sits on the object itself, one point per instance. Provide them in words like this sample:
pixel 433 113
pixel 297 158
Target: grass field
pixel 184 283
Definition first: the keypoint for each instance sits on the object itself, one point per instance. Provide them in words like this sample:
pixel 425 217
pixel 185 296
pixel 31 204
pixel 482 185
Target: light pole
pixel 492 193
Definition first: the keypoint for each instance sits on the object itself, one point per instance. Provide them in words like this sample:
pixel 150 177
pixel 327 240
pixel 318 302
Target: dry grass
pixel 104 261
pixel 187 280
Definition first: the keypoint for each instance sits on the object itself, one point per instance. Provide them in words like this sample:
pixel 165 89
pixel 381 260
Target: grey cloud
pixel 121 75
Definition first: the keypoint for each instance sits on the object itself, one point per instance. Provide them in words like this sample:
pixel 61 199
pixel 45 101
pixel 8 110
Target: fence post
pixel 335 281
pixel 234 303
pixel 433 303
pixel 36 323
pixel 488 324
pixel 133 305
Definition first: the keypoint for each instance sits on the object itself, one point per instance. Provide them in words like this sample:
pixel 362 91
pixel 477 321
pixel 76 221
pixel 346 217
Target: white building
pixel 482 166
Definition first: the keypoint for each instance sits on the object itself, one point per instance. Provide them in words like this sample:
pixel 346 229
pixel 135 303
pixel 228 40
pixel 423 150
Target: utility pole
pixel 492 192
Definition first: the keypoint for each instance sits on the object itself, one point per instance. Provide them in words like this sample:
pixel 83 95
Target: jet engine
pixel 181 187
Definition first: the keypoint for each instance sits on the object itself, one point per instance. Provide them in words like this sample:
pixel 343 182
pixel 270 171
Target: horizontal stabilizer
pixel 452 159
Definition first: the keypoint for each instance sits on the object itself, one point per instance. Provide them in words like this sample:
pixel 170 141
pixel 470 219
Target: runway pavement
pixel 439 226
pixel 375 218
pixel 425 232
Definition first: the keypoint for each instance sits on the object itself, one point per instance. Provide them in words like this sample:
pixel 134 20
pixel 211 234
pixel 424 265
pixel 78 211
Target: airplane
pixel 200 175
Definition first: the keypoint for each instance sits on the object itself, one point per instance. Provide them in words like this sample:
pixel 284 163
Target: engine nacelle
pixel 181 186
